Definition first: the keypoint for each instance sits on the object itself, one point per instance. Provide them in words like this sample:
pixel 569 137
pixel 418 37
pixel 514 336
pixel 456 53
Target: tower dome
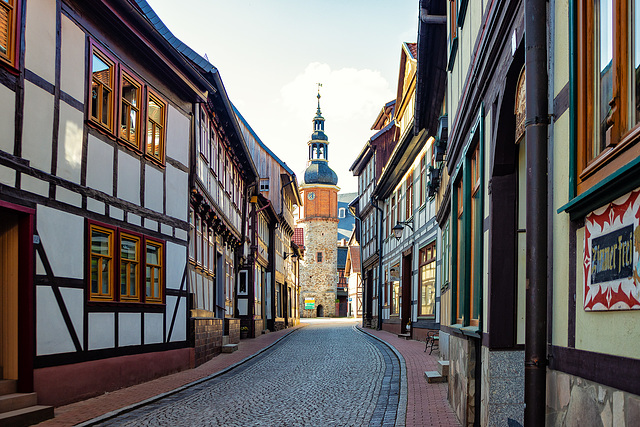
pixel 318 170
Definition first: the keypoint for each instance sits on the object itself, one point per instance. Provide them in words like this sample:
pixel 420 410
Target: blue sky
pixel 270 54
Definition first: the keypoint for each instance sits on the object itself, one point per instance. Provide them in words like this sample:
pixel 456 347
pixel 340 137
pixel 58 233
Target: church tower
pixel 318 217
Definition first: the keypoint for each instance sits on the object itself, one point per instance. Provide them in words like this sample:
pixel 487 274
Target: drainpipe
pixel 536 141
pixel 374 203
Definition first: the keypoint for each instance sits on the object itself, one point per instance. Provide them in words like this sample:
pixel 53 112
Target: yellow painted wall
pixel 561 47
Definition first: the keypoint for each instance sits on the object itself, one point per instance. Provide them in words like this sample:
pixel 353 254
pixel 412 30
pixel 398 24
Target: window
pixel 117 98
pixel 459 250
pixel 101 261
pixel 446 256
pixel 8 31
pixel 154 279
pixel 409 196
pixel 129 267
pixel 319 257
pixel 131 92
pixel 453 32
pixel 341 213
pixel 476 234
pixel 427 281
pixel 423 188
pixel 128 263
pixel 608 88
pixel 393 211
pixel 155 128
pixel 395 289
pixel 102 77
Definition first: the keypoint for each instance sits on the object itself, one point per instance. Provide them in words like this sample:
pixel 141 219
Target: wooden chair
pixel 433 340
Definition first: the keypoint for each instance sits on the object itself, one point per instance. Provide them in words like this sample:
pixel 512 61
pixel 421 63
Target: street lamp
pixel 292 255
pixel 397 229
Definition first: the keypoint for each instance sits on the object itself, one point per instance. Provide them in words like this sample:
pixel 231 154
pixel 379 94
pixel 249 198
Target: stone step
pixel 13 401
pixel 225 340
pixel 434 377
pixel 229 348
pixel 26 416
pixel 443 367
pixel 406 336
pixel 7 386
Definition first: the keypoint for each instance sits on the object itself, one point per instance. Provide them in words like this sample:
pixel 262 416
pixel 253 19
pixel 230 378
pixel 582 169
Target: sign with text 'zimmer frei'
pixel 611 256
pixel 309 303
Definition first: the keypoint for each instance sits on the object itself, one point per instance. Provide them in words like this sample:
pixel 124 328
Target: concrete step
pixel 225 340
pixel 434 377
pixel 443 367
pixel 406 336
pixel 13 401
pixel 8 386
pixel 26 416
pixel 229 348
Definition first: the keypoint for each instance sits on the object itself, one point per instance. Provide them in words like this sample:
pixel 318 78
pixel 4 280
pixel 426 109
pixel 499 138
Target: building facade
pixel 318 219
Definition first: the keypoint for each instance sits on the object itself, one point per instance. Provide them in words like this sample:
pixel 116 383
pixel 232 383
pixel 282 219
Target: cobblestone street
pixel 325 374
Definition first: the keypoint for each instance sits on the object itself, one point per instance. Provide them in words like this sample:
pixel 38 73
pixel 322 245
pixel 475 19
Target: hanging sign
pixel 611 256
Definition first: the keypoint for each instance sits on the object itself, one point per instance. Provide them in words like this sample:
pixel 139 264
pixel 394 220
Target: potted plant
pixel 244 332
pixel 408 326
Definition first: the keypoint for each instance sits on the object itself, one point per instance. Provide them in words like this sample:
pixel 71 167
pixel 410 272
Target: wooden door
pixel 8 295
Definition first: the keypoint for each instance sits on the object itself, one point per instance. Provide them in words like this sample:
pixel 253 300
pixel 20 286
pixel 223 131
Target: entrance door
pixel 9 237
pixel 406 292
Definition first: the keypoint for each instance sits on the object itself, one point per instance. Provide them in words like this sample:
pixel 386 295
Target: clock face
pixel 311 195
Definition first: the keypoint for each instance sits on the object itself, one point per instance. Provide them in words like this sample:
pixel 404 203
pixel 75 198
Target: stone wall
pixel 232 329
pixel 319 279
pixel 574 401
pixel 207 338
pixel 462 364
pixel 502 388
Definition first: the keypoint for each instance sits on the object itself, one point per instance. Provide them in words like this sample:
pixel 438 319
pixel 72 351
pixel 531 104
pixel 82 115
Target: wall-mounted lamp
pixel 397 229
pixel 292 255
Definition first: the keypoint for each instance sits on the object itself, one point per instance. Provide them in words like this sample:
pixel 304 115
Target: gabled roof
pixel 412 48
pixel 354 258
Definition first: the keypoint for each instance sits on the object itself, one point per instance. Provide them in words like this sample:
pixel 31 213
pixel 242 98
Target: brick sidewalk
pixel 427 404
pixel 114 401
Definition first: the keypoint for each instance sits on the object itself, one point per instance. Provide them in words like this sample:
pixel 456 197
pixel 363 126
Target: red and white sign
pixel 611 256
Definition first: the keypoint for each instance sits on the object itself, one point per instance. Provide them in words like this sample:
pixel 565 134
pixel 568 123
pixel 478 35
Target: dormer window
pixel 341 213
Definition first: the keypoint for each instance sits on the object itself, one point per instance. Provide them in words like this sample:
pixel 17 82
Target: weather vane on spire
pixel 319 86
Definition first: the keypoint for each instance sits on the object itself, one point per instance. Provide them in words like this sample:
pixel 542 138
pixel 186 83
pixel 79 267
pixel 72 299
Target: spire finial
pixel 318 96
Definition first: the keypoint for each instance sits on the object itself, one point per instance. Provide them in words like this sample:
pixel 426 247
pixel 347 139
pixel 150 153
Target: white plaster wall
pixel 129 329
pixel 153 328
pixel 52 335
pixel 179 332
pixel 176 262
pixel 177 193
pixel 72 66
pixel 7 176
pixel 40 38
pixel 74 301
pixel 153 188
pixel 62 236
pixel 128 177
pixel 178 131
pixel 7 118
pixel 70 197
pixel 34 185
pixel 37 127
pixel 99 165
pixel 70 143
pixel 101 330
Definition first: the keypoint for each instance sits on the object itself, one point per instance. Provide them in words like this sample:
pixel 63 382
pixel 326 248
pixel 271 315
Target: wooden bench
pixel 433 340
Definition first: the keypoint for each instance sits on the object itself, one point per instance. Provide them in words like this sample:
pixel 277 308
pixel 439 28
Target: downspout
pixel 374 203
pixel 536 126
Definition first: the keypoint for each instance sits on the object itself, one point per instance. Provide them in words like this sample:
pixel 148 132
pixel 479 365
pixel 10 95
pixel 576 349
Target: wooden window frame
pixel 13 8
pixel 126 75
pixel 423 178
pixel 110 295
pixel 427 257
pixel 623 134
pixel 474 202
pixel 409 196
pixel 459 188
pixel 113 66
pixel 126 296
pixel 160 299
pixel 160 158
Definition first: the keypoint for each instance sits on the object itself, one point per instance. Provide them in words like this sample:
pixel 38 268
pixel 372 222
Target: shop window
pixel 427 296
pixel 395 289
pixel 8 31
pixel 608 88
